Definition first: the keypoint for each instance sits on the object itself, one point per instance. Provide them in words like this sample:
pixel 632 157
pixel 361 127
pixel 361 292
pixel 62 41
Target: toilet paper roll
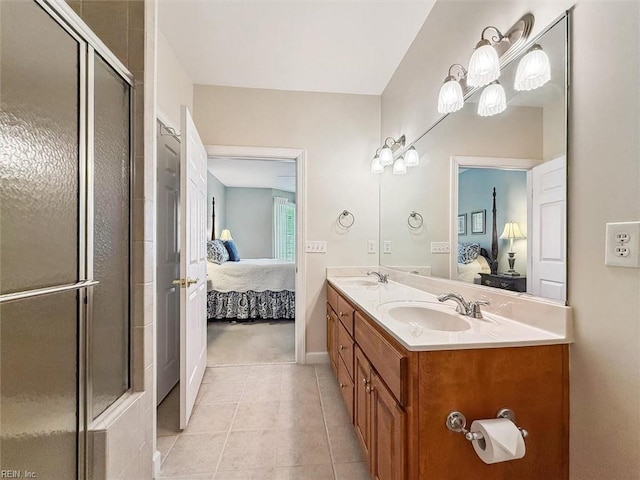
pixel 502 440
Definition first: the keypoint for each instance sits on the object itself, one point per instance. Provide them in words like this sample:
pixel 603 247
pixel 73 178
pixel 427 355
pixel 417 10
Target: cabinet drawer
pixel 385 358
pixel 332 298
pixel 346 387
pixel 345 348
pixel 345 314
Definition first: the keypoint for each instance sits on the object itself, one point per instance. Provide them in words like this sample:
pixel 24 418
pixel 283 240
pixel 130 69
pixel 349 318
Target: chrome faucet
pixel 469 309
pixel 382 278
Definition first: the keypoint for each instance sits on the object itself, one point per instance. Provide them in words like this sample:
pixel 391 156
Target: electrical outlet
pixel 316 246
pixel 622 244
pixel 386 246
pixel 440 247
pixel 371 246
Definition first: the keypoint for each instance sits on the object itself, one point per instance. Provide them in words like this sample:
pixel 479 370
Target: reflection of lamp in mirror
pixel 534 70
pixel 386 156
pixel 399 166
pixel 492 101
pixel 512 231
pixel 411 157
pixel 376 166
pixel 226 235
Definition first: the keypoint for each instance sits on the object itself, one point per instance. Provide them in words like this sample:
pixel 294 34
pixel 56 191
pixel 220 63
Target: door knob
pixel 184 283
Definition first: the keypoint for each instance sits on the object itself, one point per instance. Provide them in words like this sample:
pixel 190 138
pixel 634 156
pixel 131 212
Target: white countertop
pixel 491 332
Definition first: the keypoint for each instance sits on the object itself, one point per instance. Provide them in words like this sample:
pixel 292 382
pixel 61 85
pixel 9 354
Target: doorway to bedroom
pixel 251 260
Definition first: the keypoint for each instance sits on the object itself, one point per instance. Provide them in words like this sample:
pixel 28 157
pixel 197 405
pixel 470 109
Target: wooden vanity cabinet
pixel 332 338
pixel 398 401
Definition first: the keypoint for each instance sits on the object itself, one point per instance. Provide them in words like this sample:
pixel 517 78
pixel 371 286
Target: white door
pixel 193 269
pixel 168 263
pixel 548 268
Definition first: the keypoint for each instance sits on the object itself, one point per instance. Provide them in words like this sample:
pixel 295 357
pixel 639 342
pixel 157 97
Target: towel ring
pixel 415 220
pixel 343 219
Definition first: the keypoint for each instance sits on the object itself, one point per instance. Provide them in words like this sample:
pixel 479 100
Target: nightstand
pixel 506 282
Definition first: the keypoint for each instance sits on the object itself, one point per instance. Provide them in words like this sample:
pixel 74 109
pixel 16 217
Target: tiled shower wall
pixel 122 440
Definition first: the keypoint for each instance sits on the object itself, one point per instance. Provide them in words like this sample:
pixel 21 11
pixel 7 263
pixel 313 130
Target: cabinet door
pixel 387 451
pixel 332 323
pixel 362 406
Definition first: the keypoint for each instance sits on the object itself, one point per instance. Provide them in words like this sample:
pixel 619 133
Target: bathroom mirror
pixel 520 152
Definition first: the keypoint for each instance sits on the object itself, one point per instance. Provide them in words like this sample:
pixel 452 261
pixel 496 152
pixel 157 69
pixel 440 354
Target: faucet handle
pixel 474 308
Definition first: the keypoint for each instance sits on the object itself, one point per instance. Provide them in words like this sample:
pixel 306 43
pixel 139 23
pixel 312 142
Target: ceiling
pixel 319 46
pixel 254 173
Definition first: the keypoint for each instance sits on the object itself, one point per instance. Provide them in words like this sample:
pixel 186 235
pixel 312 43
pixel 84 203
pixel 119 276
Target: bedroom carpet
pixel 261 341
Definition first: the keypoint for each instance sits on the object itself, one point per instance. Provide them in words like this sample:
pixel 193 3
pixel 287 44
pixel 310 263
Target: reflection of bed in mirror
pixel 469 270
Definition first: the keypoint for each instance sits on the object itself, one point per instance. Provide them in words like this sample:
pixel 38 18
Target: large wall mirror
pixel 513 240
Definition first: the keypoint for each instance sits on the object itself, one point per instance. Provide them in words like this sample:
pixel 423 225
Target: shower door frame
pixel 88 46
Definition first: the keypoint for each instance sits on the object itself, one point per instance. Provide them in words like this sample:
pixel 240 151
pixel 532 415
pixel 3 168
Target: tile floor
pixel 262 422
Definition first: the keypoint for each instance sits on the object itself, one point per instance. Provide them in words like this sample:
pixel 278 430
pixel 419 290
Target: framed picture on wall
pixel 462 224
pixel 477 222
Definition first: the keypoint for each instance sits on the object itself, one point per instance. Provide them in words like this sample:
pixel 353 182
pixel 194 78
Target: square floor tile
pixel 257 416
pixel 344 444
pixel 307 446
pixel 211 418
pixel 220 392
pixel 301 414
pixel 262 392
pixel 351 471
pixel 226 374
pixel 253 449
pixel 305 472
pixel 246 475
pixel 194 454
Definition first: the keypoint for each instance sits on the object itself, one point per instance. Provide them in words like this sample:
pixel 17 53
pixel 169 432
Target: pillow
pixel 234 256
pixel 468 252
pixel 216 252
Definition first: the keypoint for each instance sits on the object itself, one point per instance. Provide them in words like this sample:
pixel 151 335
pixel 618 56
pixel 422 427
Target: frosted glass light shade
pixel 484 66
pixel 386 156
pixel 399 166
pixel 411 157
pixel 450 98
pixel 376 166
pixel 534 70
pixel 492 101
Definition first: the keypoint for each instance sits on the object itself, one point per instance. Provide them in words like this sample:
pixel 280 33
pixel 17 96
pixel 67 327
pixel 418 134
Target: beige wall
pixel 604 125
pixel 175 87
pixel 340 133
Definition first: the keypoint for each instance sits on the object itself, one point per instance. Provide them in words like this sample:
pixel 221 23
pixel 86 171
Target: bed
pixel 473 259
pixel 259 288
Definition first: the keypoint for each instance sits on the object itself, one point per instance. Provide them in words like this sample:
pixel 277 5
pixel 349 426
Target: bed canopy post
pixel 494 238
pixel 213 218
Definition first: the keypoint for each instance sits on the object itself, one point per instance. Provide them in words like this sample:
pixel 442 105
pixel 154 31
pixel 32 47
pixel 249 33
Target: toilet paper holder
pixel 457 422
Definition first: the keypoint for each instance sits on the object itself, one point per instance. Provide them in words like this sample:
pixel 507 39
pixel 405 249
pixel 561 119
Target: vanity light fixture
pixel 534 70
pixel 451 97
pixel 399 166
pixel 484 65
pixel 493 100
pixel 411 157
pixel 377 167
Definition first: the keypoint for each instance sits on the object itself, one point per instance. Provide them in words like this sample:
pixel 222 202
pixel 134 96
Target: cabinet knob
pixel 341 347
pixel 368 389
pixel 342 314
pixel 365 381
pixel 341 385
pixel 328 317
pixel 504 284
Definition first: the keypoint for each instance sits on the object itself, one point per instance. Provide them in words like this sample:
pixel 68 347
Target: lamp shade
pixel 492 101
pixel 511 230
pixel 226 235
pixel 484 66
pixel 376 166
pixel 386 156
pixel 534 70
pixel 399 166
pixel 411 157
pixel 450 98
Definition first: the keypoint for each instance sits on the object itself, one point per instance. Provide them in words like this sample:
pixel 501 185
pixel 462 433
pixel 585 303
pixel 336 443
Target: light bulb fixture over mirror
pixel 493 100
pixel 451 96
pixel 399 166
pixel 411 157
pixel 376 167
pixel 484 65
pixel 534 70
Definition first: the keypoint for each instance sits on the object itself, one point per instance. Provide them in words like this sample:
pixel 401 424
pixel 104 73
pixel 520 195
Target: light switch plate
pixel 386 246
pixel 622 244
pixel 440 247
pixel 316 246
pixel 372 246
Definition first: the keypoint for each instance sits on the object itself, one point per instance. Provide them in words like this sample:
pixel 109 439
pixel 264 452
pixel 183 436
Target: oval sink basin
pixel 424 315
pixel 360 282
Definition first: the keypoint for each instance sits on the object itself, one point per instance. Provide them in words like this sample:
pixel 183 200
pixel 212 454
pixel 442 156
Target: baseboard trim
pixel 317 357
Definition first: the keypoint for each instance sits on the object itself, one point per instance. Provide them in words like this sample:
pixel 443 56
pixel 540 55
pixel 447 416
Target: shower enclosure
pixel 65 144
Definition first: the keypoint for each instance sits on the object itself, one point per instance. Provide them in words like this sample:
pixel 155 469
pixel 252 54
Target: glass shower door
pixel 41 257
